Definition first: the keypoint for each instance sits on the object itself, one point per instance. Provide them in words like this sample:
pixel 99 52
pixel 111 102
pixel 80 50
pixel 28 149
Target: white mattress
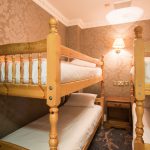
pixel 147 70
pixel 146 122
pixel 69 72
pixel 75 126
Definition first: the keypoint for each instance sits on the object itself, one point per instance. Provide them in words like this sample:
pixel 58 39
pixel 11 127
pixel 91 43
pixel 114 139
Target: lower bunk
pixel 77 125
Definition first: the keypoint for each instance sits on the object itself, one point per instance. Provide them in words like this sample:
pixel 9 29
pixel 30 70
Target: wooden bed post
pixel 102 85
pixel 132 98
pixel 53 81
pixel 139 82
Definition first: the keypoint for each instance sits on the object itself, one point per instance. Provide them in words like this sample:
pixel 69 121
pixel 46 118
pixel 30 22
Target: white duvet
pixel 147 70
pixel 75 126
pixel 69 72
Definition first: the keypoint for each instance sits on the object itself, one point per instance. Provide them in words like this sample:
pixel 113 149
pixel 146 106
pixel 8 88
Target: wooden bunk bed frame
pixel 54 89
pixel 140 89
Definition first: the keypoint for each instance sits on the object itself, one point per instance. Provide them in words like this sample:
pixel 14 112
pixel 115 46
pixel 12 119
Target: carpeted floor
pixel 111 139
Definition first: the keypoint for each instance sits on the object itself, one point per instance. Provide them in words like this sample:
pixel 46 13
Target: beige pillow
pixel 81 99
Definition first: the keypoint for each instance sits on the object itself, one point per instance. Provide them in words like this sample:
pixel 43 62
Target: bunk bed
pixel 140 87
pixel 15 80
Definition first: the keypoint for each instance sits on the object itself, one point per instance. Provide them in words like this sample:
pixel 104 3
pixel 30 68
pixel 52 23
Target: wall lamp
pixel 118 44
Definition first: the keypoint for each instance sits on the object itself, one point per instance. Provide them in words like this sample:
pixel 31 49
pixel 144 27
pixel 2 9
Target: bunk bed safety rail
pixel 13 68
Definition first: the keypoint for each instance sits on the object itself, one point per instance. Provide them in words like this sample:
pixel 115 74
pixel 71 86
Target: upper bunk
pixel 34 69
pixel 140 71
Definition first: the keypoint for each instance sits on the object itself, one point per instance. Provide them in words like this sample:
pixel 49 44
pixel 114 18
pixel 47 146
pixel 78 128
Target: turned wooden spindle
pixel 53 141
pixel 139 83
pixel 102 85
pixel 30 68
pixel 6 69
pixel 53 25
pixel 53 81
pixel 139 124
pixel 39 68
pixel 102 82
pixel 132 98
pixel 0 69
pixel 21 69
pixel 138 32
pixel 13 69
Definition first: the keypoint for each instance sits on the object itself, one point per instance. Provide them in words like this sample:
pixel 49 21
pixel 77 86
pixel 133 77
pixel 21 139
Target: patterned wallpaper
pixel 73 37
pixel 22 21
pixel 98 41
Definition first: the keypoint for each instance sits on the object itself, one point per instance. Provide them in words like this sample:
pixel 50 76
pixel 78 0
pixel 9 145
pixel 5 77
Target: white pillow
pixel 81 99
pixel 83 63
pixel 147 68
pixel 132 71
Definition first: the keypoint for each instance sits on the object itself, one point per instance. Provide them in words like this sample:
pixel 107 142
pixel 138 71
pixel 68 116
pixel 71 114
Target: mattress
pixel 147 70
pixel 75 126
pixel 69 72
pixel 146 122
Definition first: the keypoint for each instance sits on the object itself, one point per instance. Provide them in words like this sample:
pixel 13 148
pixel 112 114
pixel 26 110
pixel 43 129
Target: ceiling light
pixel 124 15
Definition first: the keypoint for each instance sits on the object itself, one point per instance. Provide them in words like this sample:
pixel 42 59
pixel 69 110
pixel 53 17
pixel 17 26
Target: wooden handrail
pixel 70 53
pixel 23 48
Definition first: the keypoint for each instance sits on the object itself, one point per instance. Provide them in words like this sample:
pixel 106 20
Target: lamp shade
pixel 118 43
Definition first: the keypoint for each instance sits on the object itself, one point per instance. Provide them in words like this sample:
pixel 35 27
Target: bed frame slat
pixel 30 68
pixel 0 68
pixel 6 69
pixel 39 68
pixel 13 70
pixel 21 69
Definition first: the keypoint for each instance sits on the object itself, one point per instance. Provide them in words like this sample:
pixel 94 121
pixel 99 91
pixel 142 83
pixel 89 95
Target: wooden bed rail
pixel 68 52
pixel 23 48
pixel 139 83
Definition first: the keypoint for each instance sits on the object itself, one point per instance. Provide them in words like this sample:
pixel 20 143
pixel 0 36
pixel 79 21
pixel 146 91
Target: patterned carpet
pixel 111 139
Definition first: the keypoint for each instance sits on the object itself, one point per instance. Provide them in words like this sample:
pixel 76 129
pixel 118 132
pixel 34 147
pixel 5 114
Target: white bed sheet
pixel 146 122
pixel 147 70
pixel 69 72
pixel 75 126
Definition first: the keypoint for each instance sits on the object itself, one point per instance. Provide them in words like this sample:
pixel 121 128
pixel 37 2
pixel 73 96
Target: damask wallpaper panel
pixel 22 21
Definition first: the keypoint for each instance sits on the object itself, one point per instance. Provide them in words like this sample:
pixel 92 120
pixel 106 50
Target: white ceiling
pixel 87 13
